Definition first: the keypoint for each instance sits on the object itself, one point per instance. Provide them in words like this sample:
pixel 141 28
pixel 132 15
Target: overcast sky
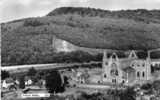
pixel 16 9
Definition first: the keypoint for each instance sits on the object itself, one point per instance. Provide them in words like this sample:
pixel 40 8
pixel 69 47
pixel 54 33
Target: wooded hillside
pixel 29 41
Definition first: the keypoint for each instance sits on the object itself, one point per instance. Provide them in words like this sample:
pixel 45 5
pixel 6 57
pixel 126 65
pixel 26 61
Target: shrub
pixel 146 86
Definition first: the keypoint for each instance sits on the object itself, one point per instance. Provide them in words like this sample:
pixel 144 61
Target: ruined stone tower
pixel 111 69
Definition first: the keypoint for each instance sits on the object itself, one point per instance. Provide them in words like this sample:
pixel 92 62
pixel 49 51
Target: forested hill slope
pixel 138 14
pixel 29 41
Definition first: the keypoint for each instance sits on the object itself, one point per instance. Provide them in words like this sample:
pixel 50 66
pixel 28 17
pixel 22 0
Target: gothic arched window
pixel 106 63
pixel 143 64
pixel 113 80
pixel 114 70
pixel 138 74
pixel 133 64
pixel 143 74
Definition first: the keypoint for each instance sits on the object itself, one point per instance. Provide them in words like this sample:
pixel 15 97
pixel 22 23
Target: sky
pixel 17 9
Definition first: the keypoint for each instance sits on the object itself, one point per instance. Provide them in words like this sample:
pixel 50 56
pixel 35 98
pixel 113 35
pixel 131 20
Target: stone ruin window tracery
pixel 143 74
pixel 114 70
pixel 113 80
pixel 138 74
pixel 143 64
pixel 106 63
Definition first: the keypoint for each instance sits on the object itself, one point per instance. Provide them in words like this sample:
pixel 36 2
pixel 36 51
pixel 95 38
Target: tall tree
pixel 54 82
pixel 4 74
pixel 156 87
pixel 31 72
pixel 22 82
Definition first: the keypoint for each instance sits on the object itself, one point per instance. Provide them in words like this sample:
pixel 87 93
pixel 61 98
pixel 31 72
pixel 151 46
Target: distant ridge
pixel 138 14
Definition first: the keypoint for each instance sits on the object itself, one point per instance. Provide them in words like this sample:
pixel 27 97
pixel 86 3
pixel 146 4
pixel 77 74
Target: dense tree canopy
pixel 54 83
pixel 21 82
pixel 4 74
pixel 31 72
pixel 138 14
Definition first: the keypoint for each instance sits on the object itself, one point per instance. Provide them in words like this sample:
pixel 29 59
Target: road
pixel 99 86
pixel 21 68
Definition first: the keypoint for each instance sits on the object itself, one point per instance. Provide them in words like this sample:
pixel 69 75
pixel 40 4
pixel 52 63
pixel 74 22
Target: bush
pixel 146 86
pixel 128 94
pixel 156 85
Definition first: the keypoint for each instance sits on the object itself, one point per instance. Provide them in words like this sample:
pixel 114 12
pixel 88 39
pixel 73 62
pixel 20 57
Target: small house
pixel 28 81
pixel 7 82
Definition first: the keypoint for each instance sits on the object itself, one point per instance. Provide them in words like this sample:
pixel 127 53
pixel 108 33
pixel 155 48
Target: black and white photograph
pixel 80 49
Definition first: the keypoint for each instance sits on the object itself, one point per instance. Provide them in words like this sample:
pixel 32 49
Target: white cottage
pixel 7 82
pixel 28 82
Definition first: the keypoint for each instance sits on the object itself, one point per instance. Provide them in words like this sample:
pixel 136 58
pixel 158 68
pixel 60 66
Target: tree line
pixel 138 14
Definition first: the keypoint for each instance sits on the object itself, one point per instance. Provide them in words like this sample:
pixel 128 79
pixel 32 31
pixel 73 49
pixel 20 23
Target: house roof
pixel 9 80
